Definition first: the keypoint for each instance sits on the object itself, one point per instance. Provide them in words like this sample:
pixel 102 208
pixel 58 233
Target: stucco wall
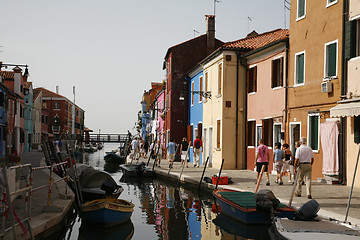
pixel 351 154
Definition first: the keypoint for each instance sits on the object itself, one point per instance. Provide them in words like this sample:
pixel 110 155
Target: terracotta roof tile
pixel 48 93
pixel 258 41
pixel 7 74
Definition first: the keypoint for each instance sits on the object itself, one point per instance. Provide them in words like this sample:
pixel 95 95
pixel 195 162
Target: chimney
pixel 57 89
pixel 210 32
pixel 17 79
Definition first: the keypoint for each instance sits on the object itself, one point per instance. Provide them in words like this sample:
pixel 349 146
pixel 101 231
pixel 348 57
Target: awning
pixel 350 109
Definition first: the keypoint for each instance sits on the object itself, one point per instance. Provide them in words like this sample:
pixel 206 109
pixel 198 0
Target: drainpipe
pixel 238 60
pixel 286 82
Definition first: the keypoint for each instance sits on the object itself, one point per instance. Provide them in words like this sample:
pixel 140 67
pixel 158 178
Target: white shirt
pixel 304 154
pixel 135 144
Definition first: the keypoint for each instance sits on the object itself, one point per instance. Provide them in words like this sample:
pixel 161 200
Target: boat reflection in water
pixel 111 167
pixel 90 231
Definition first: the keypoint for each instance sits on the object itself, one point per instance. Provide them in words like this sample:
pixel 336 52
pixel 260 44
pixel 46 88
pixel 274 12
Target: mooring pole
pixel 352 186
pixel 152 149
pixel 217 182
pixel 294 187
pixel 8 196
pixel 202 175
pixel 183 164
pixel 259 178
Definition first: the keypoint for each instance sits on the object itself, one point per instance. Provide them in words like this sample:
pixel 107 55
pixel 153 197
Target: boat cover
pixel 243 199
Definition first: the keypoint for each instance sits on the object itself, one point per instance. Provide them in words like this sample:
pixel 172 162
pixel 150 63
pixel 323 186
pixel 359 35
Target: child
pixel 278 159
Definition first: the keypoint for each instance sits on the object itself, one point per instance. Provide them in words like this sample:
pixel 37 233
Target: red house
pixel 179 59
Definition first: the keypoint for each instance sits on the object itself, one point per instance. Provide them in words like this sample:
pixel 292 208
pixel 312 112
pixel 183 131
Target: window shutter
pixel 263 129
pixel 300 69
pixel 218 134
pixel 273 73
pixel 200 130
pixel 248 80
pixel 301 10
pixel 255 78
pixel 357 129
pixel 331 60
pixel 191 134
pixel 270 132
pixel 281 73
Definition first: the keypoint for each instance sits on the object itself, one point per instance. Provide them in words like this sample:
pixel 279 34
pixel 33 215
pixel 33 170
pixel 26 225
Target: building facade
pixel 28 116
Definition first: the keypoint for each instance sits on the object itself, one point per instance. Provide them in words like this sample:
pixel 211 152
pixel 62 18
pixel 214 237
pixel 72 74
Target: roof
pixel 48 93
pixel 36 93
pixel 27 84
pixel 7 74
pixel 257 41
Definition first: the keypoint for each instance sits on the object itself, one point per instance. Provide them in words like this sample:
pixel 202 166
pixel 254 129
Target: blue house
pixel 196 83
pixel 29 127
pixel 3 135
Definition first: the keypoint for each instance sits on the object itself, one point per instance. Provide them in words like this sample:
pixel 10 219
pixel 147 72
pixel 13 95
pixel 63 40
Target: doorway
pixel 295 130
pixel 210 145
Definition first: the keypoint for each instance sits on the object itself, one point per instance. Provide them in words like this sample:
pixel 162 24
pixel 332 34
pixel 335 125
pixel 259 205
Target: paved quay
pixel 332 199
pixel 44 217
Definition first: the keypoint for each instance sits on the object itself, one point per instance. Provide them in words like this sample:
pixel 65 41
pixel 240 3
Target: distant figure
pixel 304 159
pixel 171 150
pixel 278 160
pixel 262 159
pixel 146 147
pixel 288 167
pixel 158 153
pixel 197 149
pixel 183 149
pixel 135 149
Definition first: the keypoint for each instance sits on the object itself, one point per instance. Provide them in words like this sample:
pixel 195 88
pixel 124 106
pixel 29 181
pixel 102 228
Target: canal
pixel 163 211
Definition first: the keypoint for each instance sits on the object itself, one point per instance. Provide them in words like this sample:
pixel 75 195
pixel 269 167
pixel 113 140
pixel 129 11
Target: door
pixel 294 134
pixel 204 144
pixel 210 145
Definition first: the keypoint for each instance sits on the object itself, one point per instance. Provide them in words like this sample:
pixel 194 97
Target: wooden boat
pixel 115 158
pixel 242 207
pixel 136 170
pixel 107 212
pixel 317 229
pixel 90 231
pixel 91 181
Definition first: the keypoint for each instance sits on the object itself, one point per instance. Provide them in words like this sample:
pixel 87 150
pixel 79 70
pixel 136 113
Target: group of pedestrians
pixel 184 145
pixel 301 159
pixel 139 148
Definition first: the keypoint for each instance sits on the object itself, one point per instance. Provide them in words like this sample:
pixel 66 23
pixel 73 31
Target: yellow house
pixel 348 108
pixel 224 114
pixel 314 81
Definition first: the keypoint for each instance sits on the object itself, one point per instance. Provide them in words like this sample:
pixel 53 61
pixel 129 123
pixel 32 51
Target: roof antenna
pixel 249 20
pixel 215 1
pixel 196 32
pixel 286 7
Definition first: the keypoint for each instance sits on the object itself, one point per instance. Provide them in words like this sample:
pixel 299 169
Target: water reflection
pixel 89 231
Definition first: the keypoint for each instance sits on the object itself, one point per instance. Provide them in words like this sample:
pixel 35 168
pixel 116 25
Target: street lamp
pixel 204 94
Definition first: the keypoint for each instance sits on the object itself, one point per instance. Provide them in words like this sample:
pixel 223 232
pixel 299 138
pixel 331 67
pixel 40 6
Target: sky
pixel 112 50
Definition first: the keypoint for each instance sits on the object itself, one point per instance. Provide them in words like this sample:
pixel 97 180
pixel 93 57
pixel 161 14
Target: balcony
pixel 353 77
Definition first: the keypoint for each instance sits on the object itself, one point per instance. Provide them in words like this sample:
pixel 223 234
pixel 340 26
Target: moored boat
pixel 136 170
pixel 107 212
pixel 242 207
pixel 284 228
pixel 90 231
pixel 115 158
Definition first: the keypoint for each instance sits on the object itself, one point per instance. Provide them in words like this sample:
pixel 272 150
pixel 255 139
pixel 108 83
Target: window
pixel 218 131
pixel 44 105
pixel 277 72
pixel 258 134
pixel 357 129
pixel 42 118
pixel 57 106
pixel 219 78
pixel 313 131
pixel 252 79
pixel 277 133
pixel 301 9
pixel 46 119
pixel 190 133
pixel 206 81
pixel 331 59
pixel 2 99
pixel 300 68
pixel 251 133
pixel 268 132
pixel 21 111
pixel 200 87
pixel 192 93
pixel 331 2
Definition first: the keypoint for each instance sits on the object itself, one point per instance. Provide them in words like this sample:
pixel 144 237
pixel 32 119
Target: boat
pixel 239 229
pixel 107 212
pixel 90 231
pixel 92 181
pixel 115 158
pixel 100 145
pixel 284 228
pixel 111 167
pixel 136 170
pixel 242 207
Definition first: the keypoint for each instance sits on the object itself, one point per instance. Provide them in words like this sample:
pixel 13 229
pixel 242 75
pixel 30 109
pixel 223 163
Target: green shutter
pixel 301 8
pixel 331 60
pixel 357 129
pixel 300 68
pixel 314 132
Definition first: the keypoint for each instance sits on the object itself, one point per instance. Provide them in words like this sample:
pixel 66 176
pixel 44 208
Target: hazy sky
pixel 111 50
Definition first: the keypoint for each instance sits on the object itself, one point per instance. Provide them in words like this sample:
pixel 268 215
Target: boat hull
pixel 113 157
pixel 135 170
pixel 107 212
pixel 248 214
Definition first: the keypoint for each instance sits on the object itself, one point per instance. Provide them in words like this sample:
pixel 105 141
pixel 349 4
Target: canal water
pixel 163 211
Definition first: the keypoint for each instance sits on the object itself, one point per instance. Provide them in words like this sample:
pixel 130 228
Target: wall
pixel 351 154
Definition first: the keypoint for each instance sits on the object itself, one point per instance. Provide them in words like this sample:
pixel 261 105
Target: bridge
pixel 105 138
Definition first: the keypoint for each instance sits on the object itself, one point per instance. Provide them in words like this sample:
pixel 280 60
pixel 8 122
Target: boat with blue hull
pixel 242 207
pixel 114 158
pixel 107 212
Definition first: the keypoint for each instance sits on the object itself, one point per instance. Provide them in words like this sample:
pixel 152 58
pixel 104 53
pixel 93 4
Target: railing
pixel 105 138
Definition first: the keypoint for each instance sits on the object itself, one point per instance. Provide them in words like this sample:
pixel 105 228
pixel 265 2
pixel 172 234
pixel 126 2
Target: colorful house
pixel 28 116
pixel 348 109
pixel 3 130
pixel 314 81
pixel 37 103
pixel 195 78
pixel 179 59
pixel 266 95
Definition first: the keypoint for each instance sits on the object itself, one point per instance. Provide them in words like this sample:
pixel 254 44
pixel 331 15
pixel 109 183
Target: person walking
pixel 278 160
pixel 146 147
pixel 304 159
pixel 287 167
pixel 158 153
pixel 183 149
pixel 197 149
pixel 262 159
pixel 171 150
pixel 135 148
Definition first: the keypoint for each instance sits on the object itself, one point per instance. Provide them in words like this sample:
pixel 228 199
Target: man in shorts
pixel 262 159
pixel 171 150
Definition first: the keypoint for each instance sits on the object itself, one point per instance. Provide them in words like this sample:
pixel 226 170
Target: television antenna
pixel 249 20
pixel 215 1
pixel 286 8
pixel 196 32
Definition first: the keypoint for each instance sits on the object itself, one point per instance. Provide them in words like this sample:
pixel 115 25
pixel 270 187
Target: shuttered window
pixel 331 59
pixel 200 87
pixel 252 79
pixel 267 126
pixel 357 129
pixel 313 125
pixel 251 133
pixel 190 133
pixel 218 131
pixel 277 72
pixel 300 68
pixel 301 8
pixel 199 133
pixel 192 93
pixel 219 78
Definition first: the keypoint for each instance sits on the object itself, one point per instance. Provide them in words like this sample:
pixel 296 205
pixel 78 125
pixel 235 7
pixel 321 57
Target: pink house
pixel 266 97
pixel 159 116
